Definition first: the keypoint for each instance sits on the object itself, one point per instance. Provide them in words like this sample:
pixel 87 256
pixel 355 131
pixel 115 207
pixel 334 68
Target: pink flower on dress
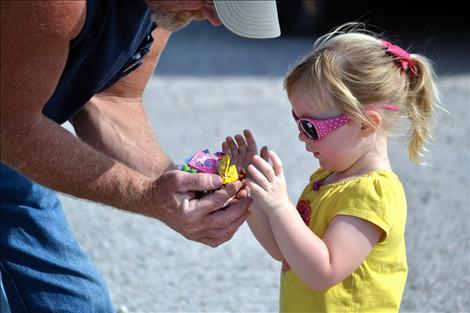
pixel 305 211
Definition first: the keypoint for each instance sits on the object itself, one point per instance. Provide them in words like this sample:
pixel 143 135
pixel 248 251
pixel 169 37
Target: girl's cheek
pixel 302 137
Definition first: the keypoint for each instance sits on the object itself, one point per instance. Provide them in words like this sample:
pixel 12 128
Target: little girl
pixel 342 246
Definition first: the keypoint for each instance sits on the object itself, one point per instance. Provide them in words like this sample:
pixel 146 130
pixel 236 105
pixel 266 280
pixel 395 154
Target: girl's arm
pixel 320 262
pixel 241 151
pixel 261 229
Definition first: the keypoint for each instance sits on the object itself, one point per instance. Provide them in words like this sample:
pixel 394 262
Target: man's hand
pixel 171 199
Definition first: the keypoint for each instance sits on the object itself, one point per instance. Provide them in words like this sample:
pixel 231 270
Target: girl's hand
pixel 241 150
pixel 267 184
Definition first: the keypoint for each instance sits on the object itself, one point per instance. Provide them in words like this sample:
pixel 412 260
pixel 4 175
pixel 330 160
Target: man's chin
pixel 175 21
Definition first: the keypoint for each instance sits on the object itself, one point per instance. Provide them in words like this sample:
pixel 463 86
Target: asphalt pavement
pixel 210 84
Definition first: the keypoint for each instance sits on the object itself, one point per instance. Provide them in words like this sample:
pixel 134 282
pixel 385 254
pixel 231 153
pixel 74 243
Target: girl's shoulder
pixel 377 177
pixel 378 191
pixel 377 197
pixel 376 180
pixel 378 185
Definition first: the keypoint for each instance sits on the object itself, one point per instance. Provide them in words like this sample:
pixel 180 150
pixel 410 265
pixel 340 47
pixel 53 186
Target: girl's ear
pixel 376 119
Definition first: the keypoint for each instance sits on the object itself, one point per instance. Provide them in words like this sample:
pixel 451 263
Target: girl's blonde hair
pixel 350 68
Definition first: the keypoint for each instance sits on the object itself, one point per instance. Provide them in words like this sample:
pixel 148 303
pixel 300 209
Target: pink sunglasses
pixel 317 129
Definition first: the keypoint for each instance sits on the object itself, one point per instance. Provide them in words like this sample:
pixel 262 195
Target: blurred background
pixel 307 17
pixel 210 84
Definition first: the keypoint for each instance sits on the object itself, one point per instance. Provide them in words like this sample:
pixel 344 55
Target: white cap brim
pixel 249 18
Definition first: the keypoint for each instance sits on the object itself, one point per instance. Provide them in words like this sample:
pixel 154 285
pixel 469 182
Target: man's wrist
pixel 138 203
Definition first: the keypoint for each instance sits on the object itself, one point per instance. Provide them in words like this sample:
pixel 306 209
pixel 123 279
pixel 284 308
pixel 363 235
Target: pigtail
pixel 422 100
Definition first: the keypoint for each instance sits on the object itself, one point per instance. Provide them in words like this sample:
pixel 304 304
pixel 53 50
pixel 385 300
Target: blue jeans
pixel 42 266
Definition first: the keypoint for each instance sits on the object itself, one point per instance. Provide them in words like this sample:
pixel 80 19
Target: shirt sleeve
pixel 370 199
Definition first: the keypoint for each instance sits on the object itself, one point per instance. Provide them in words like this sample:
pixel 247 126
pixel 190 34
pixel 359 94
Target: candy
pixel 185 168
pixel 203 162
pixel 227 171
pixel 219 163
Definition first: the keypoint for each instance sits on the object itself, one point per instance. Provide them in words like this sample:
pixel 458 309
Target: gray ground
pixel 206 75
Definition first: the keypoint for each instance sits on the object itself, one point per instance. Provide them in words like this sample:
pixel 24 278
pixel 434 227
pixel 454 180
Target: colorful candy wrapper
pixel 227 171
pixel 186 168
pixel 203 162
pixel 219 163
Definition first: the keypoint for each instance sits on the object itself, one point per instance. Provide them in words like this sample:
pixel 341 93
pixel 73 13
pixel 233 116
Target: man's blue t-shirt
pixel 115 37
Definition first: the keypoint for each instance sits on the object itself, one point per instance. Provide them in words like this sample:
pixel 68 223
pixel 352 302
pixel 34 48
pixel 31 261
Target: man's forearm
pixel 51 156
pixel 119 128
pixel 115 122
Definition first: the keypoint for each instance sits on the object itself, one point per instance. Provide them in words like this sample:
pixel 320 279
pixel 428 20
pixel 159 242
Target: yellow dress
pixel 378 284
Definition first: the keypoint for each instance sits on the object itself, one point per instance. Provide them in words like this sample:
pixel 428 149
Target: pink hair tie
pixel 404 57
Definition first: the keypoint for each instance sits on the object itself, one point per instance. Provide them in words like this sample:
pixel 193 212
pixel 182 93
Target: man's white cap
pixel 249 18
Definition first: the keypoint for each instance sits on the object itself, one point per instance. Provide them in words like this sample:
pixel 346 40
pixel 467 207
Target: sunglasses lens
pixel 309 130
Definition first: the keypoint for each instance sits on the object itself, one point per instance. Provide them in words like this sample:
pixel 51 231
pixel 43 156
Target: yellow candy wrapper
pixel 228 172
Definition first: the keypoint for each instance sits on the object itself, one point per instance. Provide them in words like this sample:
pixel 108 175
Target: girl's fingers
pixel 257 177
pixel 255 189
pixel 250 140
pixel 232 146
pixel 241 143
pixel 277 164
pixel 264 168
pixel 264 153
pixel 225 148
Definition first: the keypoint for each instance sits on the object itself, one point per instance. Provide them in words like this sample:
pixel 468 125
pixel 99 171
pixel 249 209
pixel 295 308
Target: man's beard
pixel 174 21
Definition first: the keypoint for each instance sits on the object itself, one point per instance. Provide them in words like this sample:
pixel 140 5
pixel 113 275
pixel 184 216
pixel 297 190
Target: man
pixel 88 62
